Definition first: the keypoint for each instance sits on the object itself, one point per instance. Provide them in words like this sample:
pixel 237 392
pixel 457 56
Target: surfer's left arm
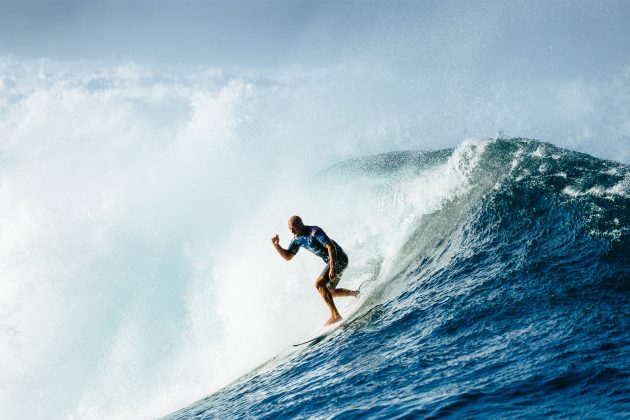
pixel 331 260
pixel 284 253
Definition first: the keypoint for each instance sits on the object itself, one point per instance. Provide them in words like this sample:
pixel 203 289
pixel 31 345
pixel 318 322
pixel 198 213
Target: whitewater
pixel 138 277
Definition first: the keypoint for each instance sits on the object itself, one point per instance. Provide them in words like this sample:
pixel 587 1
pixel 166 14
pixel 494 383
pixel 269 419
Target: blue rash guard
pixel 315 241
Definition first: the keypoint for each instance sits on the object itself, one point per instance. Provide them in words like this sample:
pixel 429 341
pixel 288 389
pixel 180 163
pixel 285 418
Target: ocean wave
pixel 498 287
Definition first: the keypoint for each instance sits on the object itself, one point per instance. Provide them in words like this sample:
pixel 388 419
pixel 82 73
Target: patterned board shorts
pixel 341 262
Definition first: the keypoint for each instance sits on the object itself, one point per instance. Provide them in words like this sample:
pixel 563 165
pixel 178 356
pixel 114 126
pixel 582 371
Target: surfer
pixel 315 240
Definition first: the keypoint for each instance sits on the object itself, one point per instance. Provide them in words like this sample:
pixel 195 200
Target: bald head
pixel 296 226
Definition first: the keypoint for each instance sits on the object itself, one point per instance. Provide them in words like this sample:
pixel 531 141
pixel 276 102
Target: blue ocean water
pixel 510 300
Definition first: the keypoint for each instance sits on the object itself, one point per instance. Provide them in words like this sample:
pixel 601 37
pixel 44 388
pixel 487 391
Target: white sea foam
pixel 137 210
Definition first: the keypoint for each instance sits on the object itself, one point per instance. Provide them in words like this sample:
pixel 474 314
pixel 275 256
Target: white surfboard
pixel 321 333
pixel 348 308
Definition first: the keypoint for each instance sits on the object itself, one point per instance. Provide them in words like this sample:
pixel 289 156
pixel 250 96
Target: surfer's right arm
pixel 283 252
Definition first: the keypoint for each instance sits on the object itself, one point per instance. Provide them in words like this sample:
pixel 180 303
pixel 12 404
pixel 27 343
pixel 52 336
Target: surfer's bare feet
pixel 333 319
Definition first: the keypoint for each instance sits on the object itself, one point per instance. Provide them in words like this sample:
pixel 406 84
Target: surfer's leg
pixel 320 284
pixel 344 292
pixel 332 286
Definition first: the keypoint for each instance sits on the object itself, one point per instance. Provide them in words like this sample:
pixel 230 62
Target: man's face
pixel 295 228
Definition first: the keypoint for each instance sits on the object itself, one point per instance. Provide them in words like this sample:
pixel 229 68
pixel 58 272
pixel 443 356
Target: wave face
pixel 503 290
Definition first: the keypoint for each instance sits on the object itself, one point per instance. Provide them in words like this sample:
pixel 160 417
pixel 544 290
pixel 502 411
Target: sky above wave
pixel 495 38
pixel 555 71
pixel 339 79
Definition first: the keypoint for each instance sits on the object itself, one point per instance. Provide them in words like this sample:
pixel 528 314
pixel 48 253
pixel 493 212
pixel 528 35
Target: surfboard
pixel 348 310
pixel 320 333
